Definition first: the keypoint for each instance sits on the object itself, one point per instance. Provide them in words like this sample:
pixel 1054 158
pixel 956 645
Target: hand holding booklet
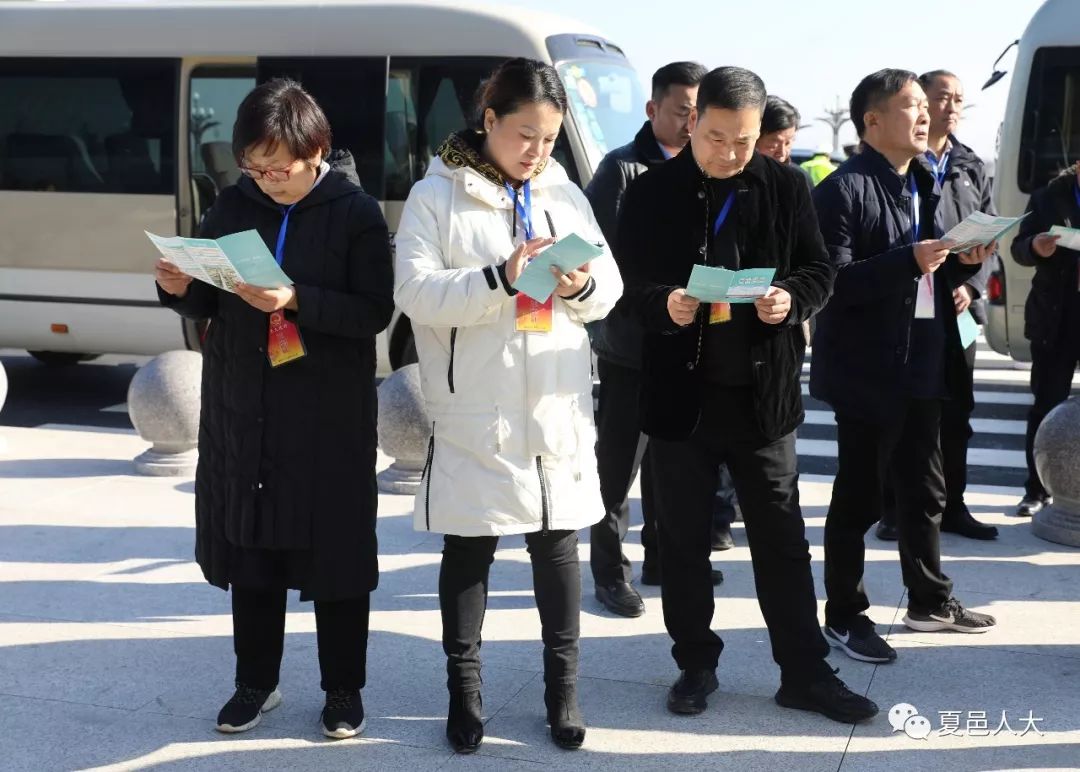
pixel 979 229
pixel 720 285
pixel 1067 237
pixel 224 262
pixel 567 254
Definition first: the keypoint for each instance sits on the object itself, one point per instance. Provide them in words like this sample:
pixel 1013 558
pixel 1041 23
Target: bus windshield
pixel 607 104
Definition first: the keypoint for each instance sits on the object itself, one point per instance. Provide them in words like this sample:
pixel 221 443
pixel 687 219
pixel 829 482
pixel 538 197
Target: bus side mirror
pixel 994 78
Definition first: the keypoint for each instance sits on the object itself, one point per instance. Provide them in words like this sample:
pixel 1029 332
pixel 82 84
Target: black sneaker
pixel 343 715
pixel 1030 506
pixel 245 708
pixel 620 598
pixel 830 697
pixel 687 696
pixel 860 641
pixel 951 616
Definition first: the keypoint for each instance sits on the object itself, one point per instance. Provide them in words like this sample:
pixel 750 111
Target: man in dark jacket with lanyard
pixel 616 340
pixel 1052 313
pixel 886 356
pixel 721 384
pixel 965 188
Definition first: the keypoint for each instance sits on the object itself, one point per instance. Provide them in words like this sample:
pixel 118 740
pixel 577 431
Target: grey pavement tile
pixel 630 727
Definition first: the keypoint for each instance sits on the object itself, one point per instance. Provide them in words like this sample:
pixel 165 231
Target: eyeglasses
pixel 274 175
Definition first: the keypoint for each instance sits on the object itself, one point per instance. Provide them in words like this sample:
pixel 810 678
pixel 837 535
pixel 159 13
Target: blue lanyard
pixel 722 217
pixel 941 167
pixel 915 214
pixel 1076 193
pixel 279 250
pixel 524 211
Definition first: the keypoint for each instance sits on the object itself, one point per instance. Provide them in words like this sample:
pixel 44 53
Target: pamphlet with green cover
pixel 224 262
pixel 721 285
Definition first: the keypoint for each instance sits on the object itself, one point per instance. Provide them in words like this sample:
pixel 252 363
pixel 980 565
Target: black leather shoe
pixel 620 598
pixel 1030 506
pixel 721 538
pixel 830 697
pixel 650 576
pixel 687 696
pixel 464 725
pixel 961 521
pixel 887 531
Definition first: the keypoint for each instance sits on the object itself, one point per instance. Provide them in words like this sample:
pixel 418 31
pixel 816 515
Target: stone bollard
pixel 164 403
pixel 1057 459
pixel 3 397
pixel 404 430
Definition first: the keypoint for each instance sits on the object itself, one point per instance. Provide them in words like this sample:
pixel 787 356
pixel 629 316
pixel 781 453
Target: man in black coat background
pixel 616 340
pixel 964 188
pixel 886 357
pixel 721 385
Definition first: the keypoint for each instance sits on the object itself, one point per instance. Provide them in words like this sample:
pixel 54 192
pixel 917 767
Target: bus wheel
pixel 61 358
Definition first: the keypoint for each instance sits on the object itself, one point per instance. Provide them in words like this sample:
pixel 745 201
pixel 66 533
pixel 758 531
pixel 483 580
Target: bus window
pixel 88 125
pixel 606 102
pixel 352 93
pixel 1050 137
pixel 215 95
pixel 428 100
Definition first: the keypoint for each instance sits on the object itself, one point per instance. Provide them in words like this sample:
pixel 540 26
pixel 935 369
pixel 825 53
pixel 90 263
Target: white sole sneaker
pixel 343 734
pixel 838 643
pixel 272 701
pixel 935 625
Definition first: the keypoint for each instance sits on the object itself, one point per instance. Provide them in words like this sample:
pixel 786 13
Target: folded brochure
pixel 721 285
pixel 224 262
pixel 979 229
pixel 568 254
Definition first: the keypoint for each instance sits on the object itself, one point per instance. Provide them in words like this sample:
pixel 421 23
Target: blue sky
pixel 812 52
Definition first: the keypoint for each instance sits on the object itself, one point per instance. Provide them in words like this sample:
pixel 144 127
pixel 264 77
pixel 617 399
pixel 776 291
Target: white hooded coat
pixel 512 446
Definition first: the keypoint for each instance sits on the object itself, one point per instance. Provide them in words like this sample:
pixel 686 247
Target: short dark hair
pixel 518 82
pixel 875 89
pixel 280 112
pixel 926 80
pixel 676 74
pixel 779 115
pixel 731 88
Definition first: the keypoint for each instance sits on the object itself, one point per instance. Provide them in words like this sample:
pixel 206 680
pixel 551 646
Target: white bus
pixel 116 118
pixel 1040 136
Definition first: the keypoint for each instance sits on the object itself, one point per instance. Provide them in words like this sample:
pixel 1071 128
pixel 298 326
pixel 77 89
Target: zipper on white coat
pixel 545 513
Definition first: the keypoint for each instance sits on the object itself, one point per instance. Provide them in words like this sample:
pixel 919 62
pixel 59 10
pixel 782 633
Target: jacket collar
pixel 882 168
pixel 689 169
pixel 462 149
pixel 646 147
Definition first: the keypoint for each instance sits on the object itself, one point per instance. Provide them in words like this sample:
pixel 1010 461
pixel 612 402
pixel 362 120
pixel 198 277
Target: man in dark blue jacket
pixel 965 188
pixel 886 356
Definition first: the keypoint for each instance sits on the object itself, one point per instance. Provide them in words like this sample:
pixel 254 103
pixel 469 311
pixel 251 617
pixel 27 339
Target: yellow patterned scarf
pixel 463 149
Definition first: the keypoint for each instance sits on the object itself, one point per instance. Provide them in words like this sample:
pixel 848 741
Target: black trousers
pixel 766 481
pixel 463 591
pixel 911 445
pixel 1051 381
pixel 956 436
pixel 259 638
pixel 621 451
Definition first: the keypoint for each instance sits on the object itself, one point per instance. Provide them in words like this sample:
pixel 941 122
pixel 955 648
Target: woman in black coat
pixel 1052 313
pixel 285 492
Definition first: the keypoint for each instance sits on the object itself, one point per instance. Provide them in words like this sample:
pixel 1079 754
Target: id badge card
pixel 284 344
pixel 719 313
pixel 924 297
pixel 533 316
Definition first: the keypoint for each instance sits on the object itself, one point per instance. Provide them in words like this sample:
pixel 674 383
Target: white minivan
pixel 1040 136
pixel 116 118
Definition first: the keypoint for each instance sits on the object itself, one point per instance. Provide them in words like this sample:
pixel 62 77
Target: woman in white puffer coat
pixel 507 383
